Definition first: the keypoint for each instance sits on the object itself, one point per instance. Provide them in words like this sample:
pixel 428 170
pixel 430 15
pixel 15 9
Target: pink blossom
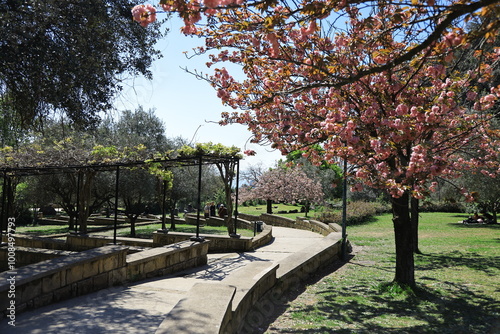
pixel 379 60
pixel 341 41
pixel 471 95
pixel 144 14
pixel 402 109
pixel 275 47
pixel 311 28
pixel 433 186
pixel 469 198
pixel 167 8
pixel 189 29
pixel 249 152
pixel 357 187
pixel 489 98
pixel 212 3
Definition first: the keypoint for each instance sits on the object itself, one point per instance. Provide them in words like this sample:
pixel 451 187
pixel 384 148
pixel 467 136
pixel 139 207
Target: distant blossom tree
pixel 288 185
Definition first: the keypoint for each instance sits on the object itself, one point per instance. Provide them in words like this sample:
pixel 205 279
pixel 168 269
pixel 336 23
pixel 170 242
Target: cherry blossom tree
pixel 288 185
pixel 374 83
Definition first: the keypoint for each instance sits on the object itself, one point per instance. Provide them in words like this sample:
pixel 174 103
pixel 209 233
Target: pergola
pixel 197 160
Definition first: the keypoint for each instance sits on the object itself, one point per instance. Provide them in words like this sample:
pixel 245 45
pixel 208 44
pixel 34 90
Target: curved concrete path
pixel 141 307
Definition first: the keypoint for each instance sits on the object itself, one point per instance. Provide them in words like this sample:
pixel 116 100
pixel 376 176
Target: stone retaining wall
pixel 292 271
pixel 190 218
pixel 80 273
pixel 38 242
pixel 166 260
pixel 84 242
pixel 29 255
pixel 250 293
pixel 210 308
pixel 263 238
pixel 302 223
pixel 218 243
pixel 62 278
pixel 249 290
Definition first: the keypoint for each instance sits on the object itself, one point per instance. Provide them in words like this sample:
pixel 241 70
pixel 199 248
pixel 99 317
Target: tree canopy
pixel 69 56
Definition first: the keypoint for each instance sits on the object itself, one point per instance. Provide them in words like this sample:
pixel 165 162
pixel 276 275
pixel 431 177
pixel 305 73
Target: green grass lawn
pixel 257 210
pixel 457 275
pixel 144 231
pixel 42 230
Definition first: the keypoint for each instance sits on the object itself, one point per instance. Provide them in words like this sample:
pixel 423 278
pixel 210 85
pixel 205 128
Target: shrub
pixel 442 207
pixel 358 212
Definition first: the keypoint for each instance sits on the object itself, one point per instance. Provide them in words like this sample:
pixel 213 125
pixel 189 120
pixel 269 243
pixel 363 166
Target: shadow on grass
pixel 357 306
pixel 361 310
pixel 486 264
pixel 486 226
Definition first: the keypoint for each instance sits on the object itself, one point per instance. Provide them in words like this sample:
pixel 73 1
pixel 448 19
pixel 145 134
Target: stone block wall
pixel 216 221
pixel 292 270
pixel 166 260
pixel 218 243
pixel 62 278
pixel 300 265
pixel 263 238
pixel 206 309
pixel 77 274
pixel 249 293
pixel 249 290
pixel 302 223
pixel 84 242
pixel 210 308
pixel 38 242
pixel 29 255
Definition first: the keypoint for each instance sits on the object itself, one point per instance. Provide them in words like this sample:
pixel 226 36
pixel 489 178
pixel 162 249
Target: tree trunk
pixel 173 204
pixel 229 219
pixel 405 267
pixel 133 219
pixel 71 226
pixel 414 224
pixel 85 196
pixel 269 206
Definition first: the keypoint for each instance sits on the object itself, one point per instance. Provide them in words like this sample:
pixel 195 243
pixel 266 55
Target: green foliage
pixel 394 289
pixel 69 57
pixel 104 153
pixel 358 212
pixel 441 206
pixel 156 169
pixel 210 148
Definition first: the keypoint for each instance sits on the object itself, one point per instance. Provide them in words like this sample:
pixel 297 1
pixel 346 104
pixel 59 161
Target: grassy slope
pixel 458 276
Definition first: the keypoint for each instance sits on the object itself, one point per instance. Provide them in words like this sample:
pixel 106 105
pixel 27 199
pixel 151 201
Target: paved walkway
pixel 142 306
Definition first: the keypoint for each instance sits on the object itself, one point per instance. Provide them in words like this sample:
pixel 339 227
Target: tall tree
pixel 372 82
pixel 328 174
pixel 141 127
pixel 69 56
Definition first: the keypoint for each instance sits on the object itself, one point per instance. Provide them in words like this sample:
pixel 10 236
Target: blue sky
pixel 185 103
